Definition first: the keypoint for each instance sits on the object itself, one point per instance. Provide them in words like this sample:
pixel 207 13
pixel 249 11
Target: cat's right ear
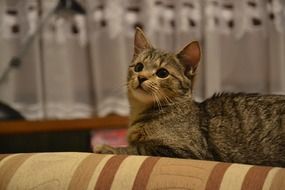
pixel 190 57
pixel 140 43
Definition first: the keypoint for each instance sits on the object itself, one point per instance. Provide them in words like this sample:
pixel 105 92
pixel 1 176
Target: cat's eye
pixel 139 67
pixel 162 73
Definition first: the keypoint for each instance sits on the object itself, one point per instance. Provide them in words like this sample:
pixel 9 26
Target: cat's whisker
pixel 158 94
pixel 157 90
pixel 167 99
pixel 171 102
pixel 157 101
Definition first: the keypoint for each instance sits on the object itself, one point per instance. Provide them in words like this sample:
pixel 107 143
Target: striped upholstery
pixel 82 171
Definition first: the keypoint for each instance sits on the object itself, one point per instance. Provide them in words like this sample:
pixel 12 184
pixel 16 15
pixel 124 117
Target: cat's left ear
pixel 190 56
pixel 141 42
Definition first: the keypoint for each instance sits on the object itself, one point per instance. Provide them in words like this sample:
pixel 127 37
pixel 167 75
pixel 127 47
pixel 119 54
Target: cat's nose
pixel 141 79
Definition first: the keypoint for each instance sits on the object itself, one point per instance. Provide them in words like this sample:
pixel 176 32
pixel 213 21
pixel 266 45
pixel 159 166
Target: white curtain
pixel 244 46
pixel 77 67
pixel 21 87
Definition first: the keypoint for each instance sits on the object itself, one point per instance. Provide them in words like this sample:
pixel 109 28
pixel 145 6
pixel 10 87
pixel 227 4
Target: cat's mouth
pixel 140 87
pixel 141 90
pixel 142 93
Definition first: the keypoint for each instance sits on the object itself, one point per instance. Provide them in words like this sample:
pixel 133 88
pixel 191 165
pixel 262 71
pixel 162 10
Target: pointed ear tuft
pixel 141 43
pixel 190 56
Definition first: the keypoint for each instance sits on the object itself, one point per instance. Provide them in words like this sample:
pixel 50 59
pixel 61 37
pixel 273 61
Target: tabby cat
pixel 166 121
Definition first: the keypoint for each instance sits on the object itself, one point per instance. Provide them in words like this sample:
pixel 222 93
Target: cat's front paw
pixel 104 149
pixel 135 134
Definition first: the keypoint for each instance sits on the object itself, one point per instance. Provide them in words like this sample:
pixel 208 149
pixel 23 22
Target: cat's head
pixel 157 75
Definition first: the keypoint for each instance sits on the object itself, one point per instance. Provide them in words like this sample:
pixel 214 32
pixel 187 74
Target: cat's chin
pixel 142 96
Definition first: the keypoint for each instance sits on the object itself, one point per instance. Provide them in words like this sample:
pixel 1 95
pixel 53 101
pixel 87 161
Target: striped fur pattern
pixel 84 171
pixel 166 121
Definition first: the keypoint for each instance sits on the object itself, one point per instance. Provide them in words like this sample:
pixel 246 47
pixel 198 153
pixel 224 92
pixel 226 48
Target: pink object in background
pixel 112 137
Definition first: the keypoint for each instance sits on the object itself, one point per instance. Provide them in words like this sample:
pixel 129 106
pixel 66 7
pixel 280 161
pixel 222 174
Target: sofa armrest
pixel 74 170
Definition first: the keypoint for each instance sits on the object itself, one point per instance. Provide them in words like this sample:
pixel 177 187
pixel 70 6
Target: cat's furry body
pixel 241 128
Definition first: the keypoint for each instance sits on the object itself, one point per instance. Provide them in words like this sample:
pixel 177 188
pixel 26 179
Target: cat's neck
pixel 137 108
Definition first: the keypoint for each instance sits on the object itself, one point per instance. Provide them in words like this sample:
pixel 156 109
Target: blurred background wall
pixel 76 67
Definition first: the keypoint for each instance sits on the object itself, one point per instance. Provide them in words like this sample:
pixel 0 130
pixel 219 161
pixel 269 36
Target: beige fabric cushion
pixel 80 171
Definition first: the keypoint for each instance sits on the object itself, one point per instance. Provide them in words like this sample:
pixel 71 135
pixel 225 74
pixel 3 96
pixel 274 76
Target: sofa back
pixel 80 171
